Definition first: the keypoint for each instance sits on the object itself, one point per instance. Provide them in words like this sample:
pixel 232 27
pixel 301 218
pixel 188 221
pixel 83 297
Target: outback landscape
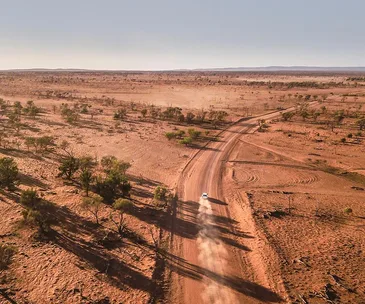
pixel 101 177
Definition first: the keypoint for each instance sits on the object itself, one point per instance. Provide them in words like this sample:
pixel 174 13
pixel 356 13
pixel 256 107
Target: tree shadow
pixel 52 123
pixel 185 223
pixel 93 253
pixel 207 148
pixel 31 181
pixel 21 154
pixel 7 297
pixel 195 272
pixel 117 273
pixel 143 181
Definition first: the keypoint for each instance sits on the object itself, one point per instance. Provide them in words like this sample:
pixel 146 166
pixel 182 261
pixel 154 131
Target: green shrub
pixel 8 172
pixel 194 134
pixel 180 133
pixel 36 218
pixel 86 178
pixel 30 199
pixel 30 109
pixel 123 205
pixel 106 188
pixel 69 167
pixel 160 193
pixel 170 135
pixel 70 115
pixel 186 141
pixel 93 205
pixel 347 210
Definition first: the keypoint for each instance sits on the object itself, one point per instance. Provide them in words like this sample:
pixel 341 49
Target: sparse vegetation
pixel 36 212
pixel 69 166
pixel 6 255
pixel 8 172
pixel 93 205
pixel 121 206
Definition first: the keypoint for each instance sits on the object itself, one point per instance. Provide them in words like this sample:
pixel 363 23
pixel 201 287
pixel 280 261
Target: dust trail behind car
pixel 212 256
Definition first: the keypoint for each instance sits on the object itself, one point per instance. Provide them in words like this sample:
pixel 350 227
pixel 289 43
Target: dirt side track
pixel 222 260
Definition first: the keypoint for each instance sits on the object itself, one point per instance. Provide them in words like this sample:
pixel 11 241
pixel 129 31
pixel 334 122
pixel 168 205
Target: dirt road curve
pixel 210 248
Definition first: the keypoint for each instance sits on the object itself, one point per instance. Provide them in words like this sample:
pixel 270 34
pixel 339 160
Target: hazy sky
pixel 168 34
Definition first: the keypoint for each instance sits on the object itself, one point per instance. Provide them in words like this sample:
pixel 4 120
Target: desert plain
pixel 105 203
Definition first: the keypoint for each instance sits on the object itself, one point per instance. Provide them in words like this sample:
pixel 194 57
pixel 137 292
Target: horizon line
pixel 240 68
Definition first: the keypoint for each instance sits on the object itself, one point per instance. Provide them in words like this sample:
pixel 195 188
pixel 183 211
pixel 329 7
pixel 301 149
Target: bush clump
pixel 8 172
pixel 37 211
pixel 6 255
pixel 347 210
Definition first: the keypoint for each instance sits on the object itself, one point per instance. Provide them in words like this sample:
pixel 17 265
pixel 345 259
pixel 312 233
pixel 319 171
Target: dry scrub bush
pixel 6 254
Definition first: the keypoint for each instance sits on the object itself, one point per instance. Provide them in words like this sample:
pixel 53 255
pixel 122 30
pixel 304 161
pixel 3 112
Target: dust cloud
pixel 212 257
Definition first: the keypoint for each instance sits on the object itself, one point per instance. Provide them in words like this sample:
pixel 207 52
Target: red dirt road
pixel 215 261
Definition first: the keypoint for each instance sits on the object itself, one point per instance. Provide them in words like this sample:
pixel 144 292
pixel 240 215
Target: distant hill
pixel 287 68
pixel 231 69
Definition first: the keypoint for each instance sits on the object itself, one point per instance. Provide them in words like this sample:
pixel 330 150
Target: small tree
pixel 30 199
pixel 160 193
pixel 70 115
pixel 304 114
pixel 37 218
pixel 194 134
pixel 186 141
pixel 8 172
pixel 121 206
pixel 31 109
pixel 287 116
pixel 339 116
pixel 87 162
pixel 86 178
pixel 44 143
pixel 105 188
pixel 181 118
pixel 361 123
pixel 189 117
pixel 120 114
pixel 107 162
pixel 144 112
pixel 69 166
pixel 36 211
pixel 316 115
pixel 93 205
pixel 125 187
pixel 170 135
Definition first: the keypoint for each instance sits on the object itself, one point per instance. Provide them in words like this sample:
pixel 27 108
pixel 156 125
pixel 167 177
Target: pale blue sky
pixel 168 34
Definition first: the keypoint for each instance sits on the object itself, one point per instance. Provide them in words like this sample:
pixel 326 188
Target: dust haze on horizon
pixel 164 35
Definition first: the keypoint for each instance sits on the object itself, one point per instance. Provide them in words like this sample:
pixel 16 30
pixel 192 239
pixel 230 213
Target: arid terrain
pixel 101 176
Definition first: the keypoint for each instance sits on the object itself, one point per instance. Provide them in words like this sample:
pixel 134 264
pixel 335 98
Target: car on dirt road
pixel 205 195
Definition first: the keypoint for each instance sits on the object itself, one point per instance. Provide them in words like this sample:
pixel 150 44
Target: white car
pixel 205 195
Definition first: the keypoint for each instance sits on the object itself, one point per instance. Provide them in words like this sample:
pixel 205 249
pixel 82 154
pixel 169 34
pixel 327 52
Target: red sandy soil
pixel 244 245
